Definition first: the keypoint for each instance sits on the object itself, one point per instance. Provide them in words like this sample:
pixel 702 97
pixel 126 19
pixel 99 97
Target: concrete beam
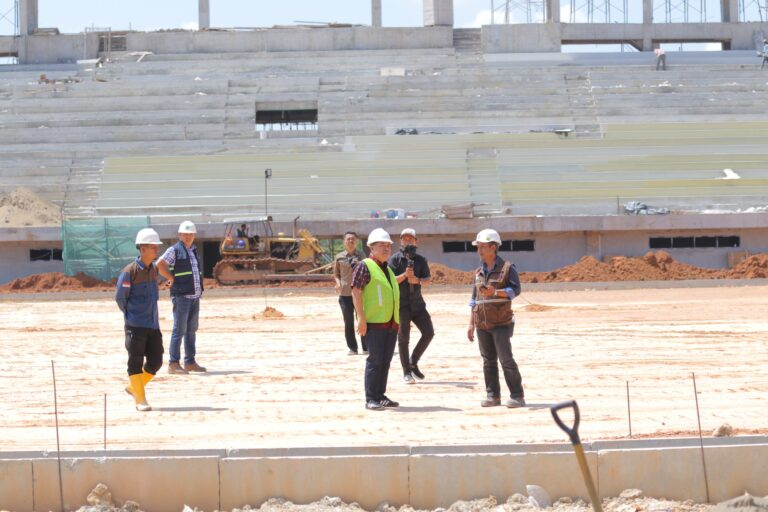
pixel 28 16
pixel 375 13
pixel 730 11
pixel 553 11
pixel 204 14
pixel 438 13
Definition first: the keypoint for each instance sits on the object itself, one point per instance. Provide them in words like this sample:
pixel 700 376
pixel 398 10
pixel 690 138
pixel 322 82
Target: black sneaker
pixel 386 402
pixel 374 405
pixel 513 403
pixel 491 401
pixel 416 372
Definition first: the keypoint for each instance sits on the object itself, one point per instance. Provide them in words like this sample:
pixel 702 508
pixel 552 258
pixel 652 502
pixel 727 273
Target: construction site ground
pixel 279 374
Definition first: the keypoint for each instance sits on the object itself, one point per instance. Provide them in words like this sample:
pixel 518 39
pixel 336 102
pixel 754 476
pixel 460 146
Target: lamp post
pixel 267 175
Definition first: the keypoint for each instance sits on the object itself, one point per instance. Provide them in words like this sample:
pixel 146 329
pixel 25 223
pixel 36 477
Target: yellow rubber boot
pixel 146 377
pixel 137 390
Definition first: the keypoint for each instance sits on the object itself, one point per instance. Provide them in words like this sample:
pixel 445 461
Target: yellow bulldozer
pixel 252 253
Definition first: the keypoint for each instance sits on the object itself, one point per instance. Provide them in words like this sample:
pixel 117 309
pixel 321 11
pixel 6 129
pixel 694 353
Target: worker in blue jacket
pixel 137 294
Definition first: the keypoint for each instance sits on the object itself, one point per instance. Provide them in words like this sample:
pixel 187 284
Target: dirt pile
pixel 22 207
pixel 270 312
pixel 754 267
pixel 442 274
pixel 658 266
pixel 56 282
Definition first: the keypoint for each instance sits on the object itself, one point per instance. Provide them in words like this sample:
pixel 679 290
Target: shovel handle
pixel 573 432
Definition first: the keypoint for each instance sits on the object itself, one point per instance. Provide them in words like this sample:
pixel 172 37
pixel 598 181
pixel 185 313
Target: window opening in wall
pixel 690 242
pixel 506 246
pixel 286 120
pixel 45 255
pixel 523 245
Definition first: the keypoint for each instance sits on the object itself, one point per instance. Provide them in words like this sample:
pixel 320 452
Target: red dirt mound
pixel 754 267
pixel 442 274
pixel 55 282
pixel 659 266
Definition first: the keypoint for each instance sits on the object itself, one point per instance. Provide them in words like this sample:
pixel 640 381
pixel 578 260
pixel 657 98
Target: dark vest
pixel 183 280
pixel 494 312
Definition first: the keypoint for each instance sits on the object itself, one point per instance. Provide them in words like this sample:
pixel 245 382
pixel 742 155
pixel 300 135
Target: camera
pixel 409 251
pixel 352 261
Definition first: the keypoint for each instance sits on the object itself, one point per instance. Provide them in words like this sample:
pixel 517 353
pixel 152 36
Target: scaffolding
pixel 681 11
pixel 517 11
pixel 599 11
pixel 9 26
pixel 9 18
pixel 753 10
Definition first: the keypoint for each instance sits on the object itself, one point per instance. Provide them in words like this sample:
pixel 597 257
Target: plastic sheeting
pixel 100 247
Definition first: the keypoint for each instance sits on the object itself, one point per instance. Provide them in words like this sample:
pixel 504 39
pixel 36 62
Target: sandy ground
pixel 288 382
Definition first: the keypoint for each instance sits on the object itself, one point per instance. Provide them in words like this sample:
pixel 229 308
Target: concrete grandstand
pixel 544 146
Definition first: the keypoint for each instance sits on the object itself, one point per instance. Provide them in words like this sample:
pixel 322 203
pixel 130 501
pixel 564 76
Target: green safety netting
pixel 100 247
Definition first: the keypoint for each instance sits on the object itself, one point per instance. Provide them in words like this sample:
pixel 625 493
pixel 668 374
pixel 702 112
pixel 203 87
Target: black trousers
pixel 495 345
pixel 424 322
pixel 348 312
pixel 141 343
pixel 381 348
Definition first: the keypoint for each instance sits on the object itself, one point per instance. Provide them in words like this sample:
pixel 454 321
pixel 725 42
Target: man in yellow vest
pixel 376 296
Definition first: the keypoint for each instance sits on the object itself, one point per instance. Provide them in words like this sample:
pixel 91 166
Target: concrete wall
pixel 426 477
pixel 559 241
pixel 291 39
pixel 547 37
pixel 54 49
pixel 14 260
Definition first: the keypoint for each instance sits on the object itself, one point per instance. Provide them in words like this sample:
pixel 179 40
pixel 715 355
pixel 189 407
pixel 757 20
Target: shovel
pixel 573 433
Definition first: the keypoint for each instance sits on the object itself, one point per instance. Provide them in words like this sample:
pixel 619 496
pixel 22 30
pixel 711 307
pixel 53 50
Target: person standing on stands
pixel 661 59
pixel 496 284
pixel 412 271
pixel 180 265
pixel 136 296
pixel 376 296
pixel 343 265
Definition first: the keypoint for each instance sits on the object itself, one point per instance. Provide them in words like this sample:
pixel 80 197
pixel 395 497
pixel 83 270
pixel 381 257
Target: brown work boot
pixel 514 403
pixel 194 367
pixel 491 401
pixel 176 369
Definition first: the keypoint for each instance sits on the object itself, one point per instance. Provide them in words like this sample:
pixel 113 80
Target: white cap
pixel 487 236
pixel 378 235
pixel 187 227
pixel 408 231
pixel 148 236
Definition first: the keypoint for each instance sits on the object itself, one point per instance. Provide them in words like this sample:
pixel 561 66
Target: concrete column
pixel 438 13
pixel 553 11
pixel 204 14
pixel 28 18
pixel 730 11
pixel 594 245
pixel 375 13
pixel 647 12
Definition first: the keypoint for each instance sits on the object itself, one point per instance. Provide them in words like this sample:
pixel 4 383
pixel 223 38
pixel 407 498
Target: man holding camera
pixel 412 271
pixel 343 265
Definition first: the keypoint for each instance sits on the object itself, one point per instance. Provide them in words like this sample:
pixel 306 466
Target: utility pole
pixel 267 175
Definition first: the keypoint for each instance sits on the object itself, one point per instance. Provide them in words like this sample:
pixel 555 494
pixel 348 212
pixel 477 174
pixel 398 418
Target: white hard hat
pixel 378 235
pixel 487 236
pixel 408 231
pixel 187 227
pixel 148 236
